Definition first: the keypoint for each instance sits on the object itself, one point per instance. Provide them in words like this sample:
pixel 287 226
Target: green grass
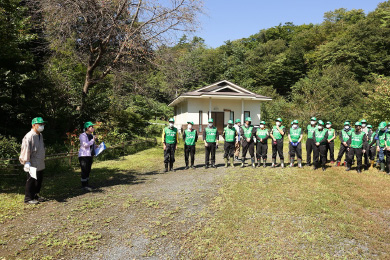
pixel 296 213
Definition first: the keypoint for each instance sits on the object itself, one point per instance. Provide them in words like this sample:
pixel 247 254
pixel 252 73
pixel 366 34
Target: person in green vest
pixel 310 142
pixel 387 148
pixel 210 138
pixel 190 137
pixel 170 139
pixel 330 144
pixel 357 146
pixel 229 135
pixel 295 137
pixel 320 137
pixel 381 144
pixel 247 142
pixel 345 135
pixel 277 135
pixel 262 135
pixel 371 150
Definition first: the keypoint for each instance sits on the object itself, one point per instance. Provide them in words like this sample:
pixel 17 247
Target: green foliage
pixel 9 147
pixel 378 100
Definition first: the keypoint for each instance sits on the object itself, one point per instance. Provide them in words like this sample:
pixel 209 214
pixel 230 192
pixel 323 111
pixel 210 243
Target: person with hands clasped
pixel 381 144
pixel 330 144
pixel 247 133
pixel 32 156
pixel 277 134
pixel 320 137
pixel 310 142
pixel 190 137
pixel 210 138
pixel 262 135
pixel 357 146
pixel 229 134
pixel 295 137
pixel 170 139
pixel 345 135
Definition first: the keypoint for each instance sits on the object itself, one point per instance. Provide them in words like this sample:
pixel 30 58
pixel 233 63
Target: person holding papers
pixel 87 150
pixel 32 156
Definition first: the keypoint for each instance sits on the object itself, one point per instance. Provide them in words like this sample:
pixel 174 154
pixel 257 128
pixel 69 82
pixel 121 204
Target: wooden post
pixel 70 157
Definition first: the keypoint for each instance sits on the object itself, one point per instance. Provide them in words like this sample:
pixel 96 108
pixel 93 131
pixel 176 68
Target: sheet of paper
pixel 100 149
pixel 33 172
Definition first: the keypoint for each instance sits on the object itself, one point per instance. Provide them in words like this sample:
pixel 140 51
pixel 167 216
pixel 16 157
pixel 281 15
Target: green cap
pixel 230 121
pixel 313 118
pixel 279 119
pixel 171 119
pixel 328 123
pixel 346 123
pixel 382 125
pixel 369 126
pixel 349 121
pixel 238 121
pixel 320 122
pixel 211 120
pixel 38 120
pixel 248 119
pixel 262 123
pixel 363 121
pixel 88 124
pixel 190 123
pixel 295 121
pixel 358 124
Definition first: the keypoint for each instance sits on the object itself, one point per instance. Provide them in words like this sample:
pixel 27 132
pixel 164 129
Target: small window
pixel 200 120
pixel 232 115
pixel 247 114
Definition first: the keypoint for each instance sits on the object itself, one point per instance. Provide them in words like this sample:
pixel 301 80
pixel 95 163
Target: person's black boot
pixel 348 167
pixel 166 168
pixel 253 162
pixel 186 168
pixel 171 167
pixel 273 163
pixel 358 170
pixel 315 166
pixel 242 162
pixel 206 166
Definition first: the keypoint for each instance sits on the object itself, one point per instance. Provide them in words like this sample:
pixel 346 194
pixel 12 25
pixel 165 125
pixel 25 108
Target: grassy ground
pixel 138 212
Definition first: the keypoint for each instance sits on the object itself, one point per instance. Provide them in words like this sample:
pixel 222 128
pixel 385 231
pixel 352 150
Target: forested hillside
pixel 335 70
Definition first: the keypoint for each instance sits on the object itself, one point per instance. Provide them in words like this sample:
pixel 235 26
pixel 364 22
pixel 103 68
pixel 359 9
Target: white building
pixel 221 101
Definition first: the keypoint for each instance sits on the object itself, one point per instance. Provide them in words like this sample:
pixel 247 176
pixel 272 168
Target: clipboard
pixel 33 172
pixel 100 149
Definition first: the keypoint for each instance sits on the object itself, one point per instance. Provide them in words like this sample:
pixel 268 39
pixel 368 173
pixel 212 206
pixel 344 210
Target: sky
pixel 231 20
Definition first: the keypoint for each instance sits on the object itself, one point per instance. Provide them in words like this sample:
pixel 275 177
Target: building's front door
pixel 219 118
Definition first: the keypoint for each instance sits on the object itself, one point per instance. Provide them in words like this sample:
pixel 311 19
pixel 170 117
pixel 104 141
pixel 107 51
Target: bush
pixel 9 147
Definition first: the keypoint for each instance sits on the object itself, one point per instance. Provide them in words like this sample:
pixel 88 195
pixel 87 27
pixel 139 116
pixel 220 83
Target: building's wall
pixel 189 111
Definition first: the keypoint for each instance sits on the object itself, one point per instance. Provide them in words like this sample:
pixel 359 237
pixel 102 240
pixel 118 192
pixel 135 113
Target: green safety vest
pixel 387 139
pixel 381 137
pixel 230 134
pixel 310 131
pixel 247 131
pixel 346 135
pixel 262 133
pixel 330 133
pixel 170 135
pixel 275 132
pixel 320 135
pixel 295 134
pixel 357 140
pixel 211 134
pixel 190 137
pixel 372 136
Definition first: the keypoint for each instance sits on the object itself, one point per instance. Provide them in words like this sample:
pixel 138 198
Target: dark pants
pixel 261 150
pixel 330 149
pixel 189 150
pixel 381 155
pixel 169 153
pixel 359 157
pixel 229 148
pixel 296 150
pixel 33 186
pixel 388 159
pixel 319 154
pixel 248 147
pixel 210 148
pixel 372 152
pixel 342 150
pixel 86 165
pixel 309 149
pixel 277 148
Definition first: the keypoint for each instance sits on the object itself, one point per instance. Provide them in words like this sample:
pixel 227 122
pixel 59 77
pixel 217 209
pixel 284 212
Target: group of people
pixel 32 156
pixel 357 141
